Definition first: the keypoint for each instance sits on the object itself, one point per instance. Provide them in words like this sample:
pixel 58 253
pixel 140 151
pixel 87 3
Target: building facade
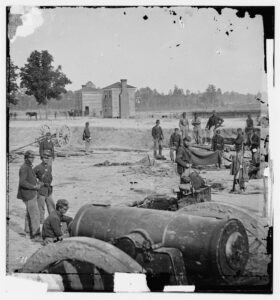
pixel 114 101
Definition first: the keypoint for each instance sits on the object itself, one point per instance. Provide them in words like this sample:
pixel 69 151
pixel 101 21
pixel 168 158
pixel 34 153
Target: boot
pixel 160 152
pixel 233 186
pixel 155 154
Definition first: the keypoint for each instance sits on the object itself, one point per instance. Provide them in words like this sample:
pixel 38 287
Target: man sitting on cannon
pixel 52 229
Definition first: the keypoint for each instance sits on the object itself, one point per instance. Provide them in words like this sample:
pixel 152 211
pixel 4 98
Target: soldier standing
pixel 47 145
pixel 183 157
pixel 218 145
pixel 213 123
pixel 249 129
pixel 86 137
pixel 43 173
pixel 238 169
pixel 174 143
pixel 255 144
pixel 27 192
pixel 196 128
pixel 157 135
pixel 184 125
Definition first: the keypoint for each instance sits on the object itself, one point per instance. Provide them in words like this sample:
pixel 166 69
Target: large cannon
pixel 171 248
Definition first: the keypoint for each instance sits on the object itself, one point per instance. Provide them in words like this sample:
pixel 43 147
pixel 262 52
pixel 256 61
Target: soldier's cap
pixel 62 203
pixel 157 121
pixel 187 139
pixel 29 153
pixel 48 133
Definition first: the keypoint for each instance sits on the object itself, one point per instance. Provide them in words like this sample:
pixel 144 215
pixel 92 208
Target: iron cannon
pixel 171 248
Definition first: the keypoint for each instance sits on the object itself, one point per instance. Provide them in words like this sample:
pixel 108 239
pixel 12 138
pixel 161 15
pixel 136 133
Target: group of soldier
pixel 177 137
pixel 35 190
pixel 35 184
pixel 181 139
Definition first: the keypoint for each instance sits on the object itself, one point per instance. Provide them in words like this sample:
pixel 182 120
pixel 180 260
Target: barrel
pixel 210 247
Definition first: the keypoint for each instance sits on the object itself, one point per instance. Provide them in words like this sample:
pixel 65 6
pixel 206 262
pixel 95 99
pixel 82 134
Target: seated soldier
pixel 52 225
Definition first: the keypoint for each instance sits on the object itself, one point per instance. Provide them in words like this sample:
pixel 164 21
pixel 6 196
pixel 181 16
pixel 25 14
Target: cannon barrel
pixel 211 248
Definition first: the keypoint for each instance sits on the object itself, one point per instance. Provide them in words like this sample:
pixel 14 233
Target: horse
pixel 12 115
pixel 31 114
pixel 73 113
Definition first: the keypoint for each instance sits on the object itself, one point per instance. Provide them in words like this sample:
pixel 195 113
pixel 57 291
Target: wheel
pixel 85 264
pixel 44 129
pixel 63 136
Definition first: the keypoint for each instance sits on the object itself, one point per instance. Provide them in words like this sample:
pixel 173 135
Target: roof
pixel 88 89
pixel 118 85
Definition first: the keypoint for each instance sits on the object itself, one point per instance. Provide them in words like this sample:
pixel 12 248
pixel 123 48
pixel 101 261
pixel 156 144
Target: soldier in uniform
pixel 196 129
pixel 183 157
pixel 27 192
pixel 249 129
pixel 255 144
pixel 218 145
pixel 43 173
pixel 238 166
pixel 184 125
pixel 86 137
pixel 174 143
pixel 52 230
pixel 213 123
pixel 47 145
pixel 157 135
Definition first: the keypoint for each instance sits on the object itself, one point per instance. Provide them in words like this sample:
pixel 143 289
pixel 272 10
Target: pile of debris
pixel 158 201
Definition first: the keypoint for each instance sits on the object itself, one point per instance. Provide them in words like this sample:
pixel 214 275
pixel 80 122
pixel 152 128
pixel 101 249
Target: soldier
pixel 27 192
pixel 43 173
pixel 183 157
pixel 238 167
pixel 174 143
pixel 213 123
pixel 218 145
pixel 48 145
pixel 184 125
pixel 52 231
pixel 255 144
pixel 249 129
pixel 157 135
pixel 196 129
pixel 86 137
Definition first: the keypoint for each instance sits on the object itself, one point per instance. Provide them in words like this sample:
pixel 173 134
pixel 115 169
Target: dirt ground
pixel 77 179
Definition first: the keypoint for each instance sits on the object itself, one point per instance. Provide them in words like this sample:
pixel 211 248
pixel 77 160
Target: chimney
pixel 124 84
pixel 124 100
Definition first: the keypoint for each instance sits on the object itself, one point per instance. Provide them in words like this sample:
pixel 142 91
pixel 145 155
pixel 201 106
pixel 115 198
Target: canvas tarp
pixel 201 157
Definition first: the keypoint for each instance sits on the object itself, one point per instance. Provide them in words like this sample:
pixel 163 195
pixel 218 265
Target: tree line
pixel 212 97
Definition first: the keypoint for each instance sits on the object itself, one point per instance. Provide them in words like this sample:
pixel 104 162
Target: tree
pixel 211 94
pixel 177 91
pixel 12 86
pixel 41 79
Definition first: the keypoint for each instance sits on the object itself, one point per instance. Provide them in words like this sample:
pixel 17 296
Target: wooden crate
pixel 200 195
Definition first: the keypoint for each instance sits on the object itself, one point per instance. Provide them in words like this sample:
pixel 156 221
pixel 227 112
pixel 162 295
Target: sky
pixel 155 47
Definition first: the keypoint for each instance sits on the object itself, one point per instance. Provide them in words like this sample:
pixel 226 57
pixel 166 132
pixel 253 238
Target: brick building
pixel 114 101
